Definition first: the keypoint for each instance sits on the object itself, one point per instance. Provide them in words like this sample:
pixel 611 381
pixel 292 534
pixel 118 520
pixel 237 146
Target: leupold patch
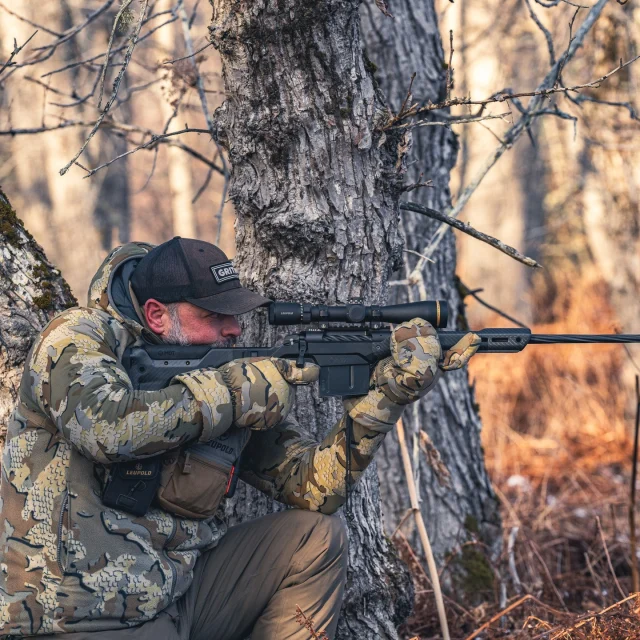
pixel 223 272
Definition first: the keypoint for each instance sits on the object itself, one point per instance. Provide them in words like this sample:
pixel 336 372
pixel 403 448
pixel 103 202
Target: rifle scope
pixel 434 311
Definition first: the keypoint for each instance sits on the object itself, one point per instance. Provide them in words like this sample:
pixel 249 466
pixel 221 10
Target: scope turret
pixel 434 311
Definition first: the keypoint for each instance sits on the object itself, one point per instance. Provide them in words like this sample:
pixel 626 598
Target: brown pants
pixel 250 584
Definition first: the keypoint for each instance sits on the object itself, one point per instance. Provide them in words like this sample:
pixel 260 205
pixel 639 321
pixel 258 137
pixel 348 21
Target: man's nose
pixel 231 327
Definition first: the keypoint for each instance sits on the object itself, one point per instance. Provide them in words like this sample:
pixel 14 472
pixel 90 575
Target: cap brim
pixel 232 303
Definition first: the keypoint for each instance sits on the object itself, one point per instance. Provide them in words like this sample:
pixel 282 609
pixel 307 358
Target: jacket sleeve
pixel 76 380
pixel 291 467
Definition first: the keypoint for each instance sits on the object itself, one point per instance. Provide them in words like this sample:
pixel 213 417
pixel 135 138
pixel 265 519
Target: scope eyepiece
pixel 434 311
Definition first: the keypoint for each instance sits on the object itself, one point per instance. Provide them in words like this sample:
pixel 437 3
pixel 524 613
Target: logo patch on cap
pixel 223 272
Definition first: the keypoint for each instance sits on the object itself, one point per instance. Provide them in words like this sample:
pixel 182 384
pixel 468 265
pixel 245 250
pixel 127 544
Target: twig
pixel 39 27
pixel 606 552
pixel 517 584
pixel 116 86
pixel 499 615
pixel 465 291
pixel 512 135
pixel 415 253
pixel 431 563
pixel 632 497
pixel 195 53
pixel 589 617
pixel 548 574
pixel 450 121
pixel 16 50
pixel 125 5
pixel 545 32
pixel 182 13
pixel 449 84
pixel 505 96
pixel 407 513
pixel 468 229
pixel 307 623
pixel 146 145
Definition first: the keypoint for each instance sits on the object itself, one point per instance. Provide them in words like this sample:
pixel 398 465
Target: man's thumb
pixel 297 375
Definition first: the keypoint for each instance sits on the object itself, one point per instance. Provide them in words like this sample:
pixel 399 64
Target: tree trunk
pixel 31 292
pixel 466 507
pixel 316 197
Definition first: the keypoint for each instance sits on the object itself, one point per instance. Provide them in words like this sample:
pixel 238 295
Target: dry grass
pixel 558 448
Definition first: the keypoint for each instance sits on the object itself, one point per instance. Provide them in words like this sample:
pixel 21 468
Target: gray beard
pixel 176 334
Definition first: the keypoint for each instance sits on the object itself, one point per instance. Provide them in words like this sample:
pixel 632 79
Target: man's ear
pixel 157 316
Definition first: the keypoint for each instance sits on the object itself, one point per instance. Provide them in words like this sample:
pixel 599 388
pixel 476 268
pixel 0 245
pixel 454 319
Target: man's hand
pixel 460 354
pixel 262 389
pixel 409 373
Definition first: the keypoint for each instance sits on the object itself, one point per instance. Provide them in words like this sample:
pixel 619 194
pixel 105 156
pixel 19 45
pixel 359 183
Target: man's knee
pixel 326 535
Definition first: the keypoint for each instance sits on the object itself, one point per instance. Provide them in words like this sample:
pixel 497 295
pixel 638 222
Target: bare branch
pixel 125 5
pixel 452 120
pixel 73 31
pixel 545 32
pixel 519 127
pixel 191 55
pixel 544 90
pixel 468 229
pixel 154 140
pixel 16 50
pixel 449 83
pixel 205 108
pixel 116 85
pixel 39 27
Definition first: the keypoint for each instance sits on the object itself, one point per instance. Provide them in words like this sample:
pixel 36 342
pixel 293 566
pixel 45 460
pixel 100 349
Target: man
pixel 72 565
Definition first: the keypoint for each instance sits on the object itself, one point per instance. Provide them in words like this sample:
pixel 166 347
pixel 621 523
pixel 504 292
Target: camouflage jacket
pixel 69 563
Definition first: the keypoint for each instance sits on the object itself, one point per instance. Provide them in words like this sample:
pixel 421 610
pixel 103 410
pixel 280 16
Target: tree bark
pixel 316 198
pixel 31 292
pixel 465 508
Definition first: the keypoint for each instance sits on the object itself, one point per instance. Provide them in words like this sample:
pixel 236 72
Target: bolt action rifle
pixel 345 354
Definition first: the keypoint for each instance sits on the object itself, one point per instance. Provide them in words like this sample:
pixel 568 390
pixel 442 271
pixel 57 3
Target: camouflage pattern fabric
pixel 410 372
pixel 261 389
pixel 67 562
pixel 289 466
pixel 459 355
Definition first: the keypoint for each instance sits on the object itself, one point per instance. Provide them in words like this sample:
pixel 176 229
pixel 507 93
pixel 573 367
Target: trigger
pixel 302 350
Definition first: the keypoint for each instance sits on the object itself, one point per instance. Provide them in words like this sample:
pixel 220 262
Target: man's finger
pixel 459 355
pixel 297 375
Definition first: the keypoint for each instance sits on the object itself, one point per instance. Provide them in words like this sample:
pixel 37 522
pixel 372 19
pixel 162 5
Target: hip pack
pixel 189 482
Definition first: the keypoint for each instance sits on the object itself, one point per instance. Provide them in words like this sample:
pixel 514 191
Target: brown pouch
pixel 194 480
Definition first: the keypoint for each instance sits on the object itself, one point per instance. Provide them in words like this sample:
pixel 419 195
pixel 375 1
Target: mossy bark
pixel 32 291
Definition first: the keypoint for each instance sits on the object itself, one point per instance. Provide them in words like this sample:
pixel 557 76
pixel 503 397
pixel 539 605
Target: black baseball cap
pixel 185 270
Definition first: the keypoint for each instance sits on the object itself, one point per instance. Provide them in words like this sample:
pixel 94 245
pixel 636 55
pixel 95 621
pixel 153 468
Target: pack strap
pixel 39 420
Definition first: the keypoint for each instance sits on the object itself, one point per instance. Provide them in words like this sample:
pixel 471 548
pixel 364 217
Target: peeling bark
pixel 32 291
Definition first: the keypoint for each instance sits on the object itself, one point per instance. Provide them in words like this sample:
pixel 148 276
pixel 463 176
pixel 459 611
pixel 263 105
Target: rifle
pixel 345 354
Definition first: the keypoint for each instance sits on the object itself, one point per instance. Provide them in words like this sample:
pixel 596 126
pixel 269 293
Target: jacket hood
pixel 110 290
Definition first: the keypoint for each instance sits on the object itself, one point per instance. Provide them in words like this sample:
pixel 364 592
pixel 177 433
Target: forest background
pixel 557 422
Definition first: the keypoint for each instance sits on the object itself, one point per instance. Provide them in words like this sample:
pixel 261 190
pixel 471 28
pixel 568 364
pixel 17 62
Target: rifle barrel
pixel 560 338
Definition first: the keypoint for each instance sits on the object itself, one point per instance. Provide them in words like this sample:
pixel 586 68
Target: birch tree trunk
pixel 316 200
pixel 466 507
pixel 31 292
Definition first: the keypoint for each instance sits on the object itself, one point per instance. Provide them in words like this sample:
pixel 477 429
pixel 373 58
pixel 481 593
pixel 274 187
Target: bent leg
pixel 253 580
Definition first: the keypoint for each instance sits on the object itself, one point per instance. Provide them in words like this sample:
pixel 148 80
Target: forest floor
pixel 558 447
